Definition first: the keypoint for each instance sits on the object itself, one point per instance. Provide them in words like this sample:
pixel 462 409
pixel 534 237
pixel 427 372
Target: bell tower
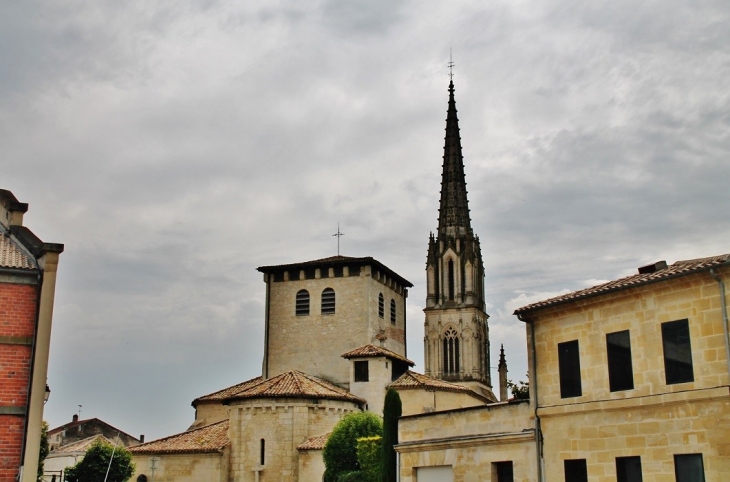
pixel 456 330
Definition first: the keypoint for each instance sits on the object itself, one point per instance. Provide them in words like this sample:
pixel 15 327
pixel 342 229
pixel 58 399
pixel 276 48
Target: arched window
pixel 381 305
pixel 451 352
pixel 302 305
pixel 263 451
pixel 328 301
pixel 451 279
pixel 392 311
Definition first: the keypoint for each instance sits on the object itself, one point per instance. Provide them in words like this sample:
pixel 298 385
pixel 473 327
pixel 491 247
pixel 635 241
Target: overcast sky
pixel 175 146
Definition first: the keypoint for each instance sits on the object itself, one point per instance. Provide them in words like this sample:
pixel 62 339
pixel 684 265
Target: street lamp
pixel 46 395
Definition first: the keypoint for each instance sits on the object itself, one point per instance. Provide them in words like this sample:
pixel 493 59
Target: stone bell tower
pixel 456 331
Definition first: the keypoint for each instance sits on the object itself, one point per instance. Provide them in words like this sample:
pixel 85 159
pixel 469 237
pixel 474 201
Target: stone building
pixel 27 289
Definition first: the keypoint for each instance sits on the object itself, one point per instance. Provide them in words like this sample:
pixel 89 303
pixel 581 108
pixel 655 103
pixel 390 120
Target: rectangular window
pixel 628 469
pixel 689 468
pixel 576 470
pixel 569 366
pixel 620 371
pixel 677 352
pixel 361 371
pixel 502 472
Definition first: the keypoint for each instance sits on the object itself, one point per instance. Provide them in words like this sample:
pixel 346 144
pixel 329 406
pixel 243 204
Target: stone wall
pixel 209 467
pixel 469 440
pixel 283 424
pixel 425 401
pixel 355 323
pixel 654 420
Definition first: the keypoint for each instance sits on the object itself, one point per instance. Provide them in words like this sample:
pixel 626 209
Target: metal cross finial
pixel 79 412
pixel 451 66
pixel 339 235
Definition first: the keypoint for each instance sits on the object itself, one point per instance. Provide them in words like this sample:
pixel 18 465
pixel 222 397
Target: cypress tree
pixel 392 410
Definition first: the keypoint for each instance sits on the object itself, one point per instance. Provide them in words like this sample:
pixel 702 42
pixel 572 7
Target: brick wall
pixel 17 321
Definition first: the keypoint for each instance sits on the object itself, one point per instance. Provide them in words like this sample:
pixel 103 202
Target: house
pixel 27 288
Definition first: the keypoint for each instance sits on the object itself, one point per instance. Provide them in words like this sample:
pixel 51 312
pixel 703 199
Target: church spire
pixel 454 208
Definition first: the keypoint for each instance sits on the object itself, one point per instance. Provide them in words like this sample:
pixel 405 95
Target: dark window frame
pixel 628 469
pixel 381 306
pixel 362 370
pixel 504 471
pixel 263 451
pixel 569 368
pixel 392 312
pixel 328 301
pixel 576 470
pixel 677 349
pixel 685 472
pixel 620 368
pixel 302 303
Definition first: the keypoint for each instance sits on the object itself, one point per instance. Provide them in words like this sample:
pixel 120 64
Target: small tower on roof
pixel 457 334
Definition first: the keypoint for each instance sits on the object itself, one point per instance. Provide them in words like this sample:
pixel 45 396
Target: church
pixel 353 309
pixel 628 380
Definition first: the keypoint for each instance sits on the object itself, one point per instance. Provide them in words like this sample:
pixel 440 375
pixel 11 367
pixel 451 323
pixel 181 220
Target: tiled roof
pixel 220 395
pixel 11 256
pixel 411 380
pixel 680 268
pixel 295 384
pixel 369 351
pixel 209 439
pixel 339 260
pixel 315 443
pixel 82 445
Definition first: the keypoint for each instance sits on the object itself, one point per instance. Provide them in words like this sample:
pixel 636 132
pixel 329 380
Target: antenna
pixel 451 65
pixel 338 234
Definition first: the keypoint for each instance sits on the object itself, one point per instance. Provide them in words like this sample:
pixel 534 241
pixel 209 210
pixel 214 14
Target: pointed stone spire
pixel 502 368
pixel 454 209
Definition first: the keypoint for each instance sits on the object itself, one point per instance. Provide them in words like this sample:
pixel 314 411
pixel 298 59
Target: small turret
pixel 502 368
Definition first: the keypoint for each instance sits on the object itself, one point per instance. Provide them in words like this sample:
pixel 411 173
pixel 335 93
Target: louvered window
pixel 381 305
pixel 328 301
pixel 451 352
pixel 392 311
pixel 302 306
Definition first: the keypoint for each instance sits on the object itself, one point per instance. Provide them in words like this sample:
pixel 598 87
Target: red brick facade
pixel 17 325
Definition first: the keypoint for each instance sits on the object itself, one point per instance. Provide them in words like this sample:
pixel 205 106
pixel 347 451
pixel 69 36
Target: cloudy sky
pixel 175 146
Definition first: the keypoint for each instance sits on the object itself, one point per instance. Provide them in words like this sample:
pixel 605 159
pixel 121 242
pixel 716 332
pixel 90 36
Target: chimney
pixel 75 418
pixel 652 268
pixel 502 368
pixel 141 439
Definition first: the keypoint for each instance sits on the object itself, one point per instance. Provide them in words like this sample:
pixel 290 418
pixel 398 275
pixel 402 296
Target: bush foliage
pixel 93 467
pixel 340 451
pixel 368 456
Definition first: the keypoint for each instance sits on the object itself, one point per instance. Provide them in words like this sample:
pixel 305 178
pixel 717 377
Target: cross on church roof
pixel 338 234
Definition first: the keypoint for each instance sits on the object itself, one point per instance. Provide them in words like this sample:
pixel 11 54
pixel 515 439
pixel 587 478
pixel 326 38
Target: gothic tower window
pixel 451 280
pixel 302 304
pixel 392 311
pixel 328 301
pixel 381 305
pixel 451 352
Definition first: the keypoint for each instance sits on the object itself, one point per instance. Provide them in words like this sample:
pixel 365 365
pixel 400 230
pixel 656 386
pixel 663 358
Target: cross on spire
pixel 451 65
pixel 338 234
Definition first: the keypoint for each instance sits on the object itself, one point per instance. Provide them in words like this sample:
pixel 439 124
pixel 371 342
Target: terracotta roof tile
pixel 315 443
pixel 209 439
pixel 295 384
pixel 82 445
pixel 411 380
pixel 680 268
pixel 369 351
pixel 220 395
pixel 11 256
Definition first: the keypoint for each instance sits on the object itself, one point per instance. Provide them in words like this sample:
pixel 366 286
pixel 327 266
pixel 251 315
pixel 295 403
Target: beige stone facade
pixel 470 441
pixel 358 317
pixel 655 420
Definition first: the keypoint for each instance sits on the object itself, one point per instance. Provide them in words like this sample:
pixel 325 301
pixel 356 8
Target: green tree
pixel 340 451
pixel 520 390
pixel 392 410
pixel 368 456
pixel 93 467
pixel 43 451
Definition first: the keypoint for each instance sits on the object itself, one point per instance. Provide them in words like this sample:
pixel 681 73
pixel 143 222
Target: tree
pixel 520 390
pixel 340 451
pixel 392 410
pixel 93 467
pixel 43 451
